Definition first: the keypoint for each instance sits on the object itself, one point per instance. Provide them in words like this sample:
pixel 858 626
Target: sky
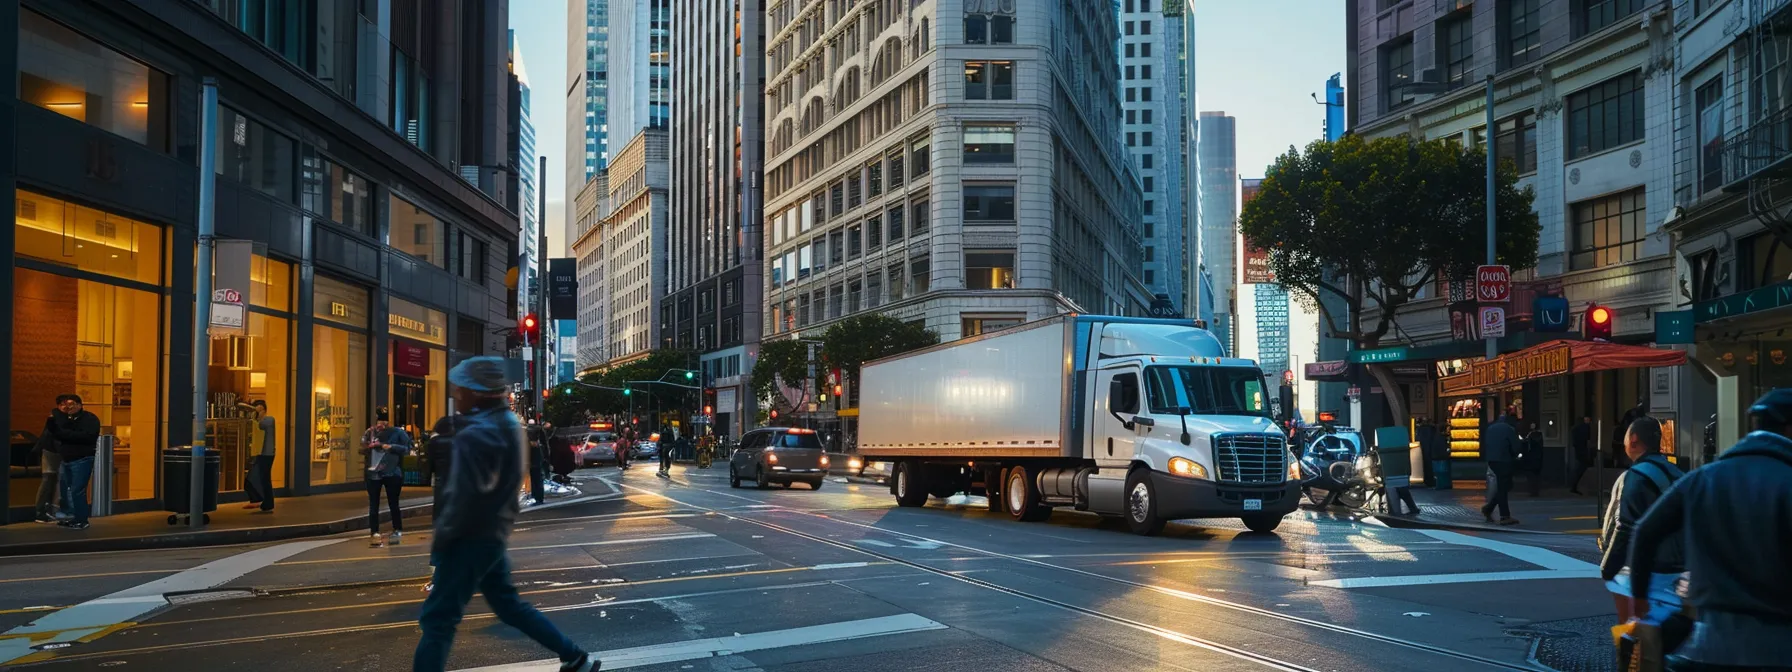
pixel 540 27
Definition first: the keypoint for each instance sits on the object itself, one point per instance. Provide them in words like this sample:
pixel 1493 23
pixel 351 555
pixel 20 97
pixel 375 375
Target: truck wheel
pixel 908 486
pixel 1021 497
pixel 1141 504
pixel 1263 522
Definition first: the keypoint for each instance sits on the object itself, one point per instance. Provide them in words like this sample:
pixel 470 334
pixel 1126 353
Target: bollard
pixel 102 475
pixel 196 490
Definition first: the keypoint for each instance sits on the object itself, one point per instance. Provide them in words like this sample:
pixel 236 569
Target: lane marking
pixel 1436 579
pixel 99 575
pixel 1541 557
pixel 606 542
pixel 1575 518
pixel 100 616
pixel 714 647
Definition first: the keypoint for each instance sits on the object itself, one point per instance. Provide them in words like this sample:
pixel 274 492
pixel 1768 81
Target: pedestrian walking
pixel 666 456
pixel 1735 518
pixel 1530 458
pixel 473 523
pixel 77 435
pixel 1638 488
pixel 49 466
pixel 625 442
pixel 1581 440
pixel 1499 447
pixel 385 447
pixel 538 449
pixel 260 484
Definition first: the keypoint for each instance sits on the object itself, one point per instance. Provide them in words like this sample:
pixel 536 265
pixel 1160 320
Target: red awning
pixel 1594 356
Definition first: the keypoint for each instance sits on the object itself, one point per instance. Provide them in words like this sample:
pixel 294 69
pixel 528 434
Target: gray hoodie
pixel 1735 516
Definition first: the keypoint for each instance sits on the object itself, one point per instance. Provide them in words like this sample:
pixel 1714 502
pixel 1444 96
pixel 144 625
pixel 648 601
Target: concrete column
pixel 1729 412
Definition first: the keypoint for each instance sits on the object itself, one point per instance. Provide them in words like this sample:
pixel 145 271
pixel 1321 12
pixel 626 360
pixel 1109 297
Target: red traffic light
pixel 838 390
pixel 708 410
pixel 528 325
pixel 774 414
pixel 1598 323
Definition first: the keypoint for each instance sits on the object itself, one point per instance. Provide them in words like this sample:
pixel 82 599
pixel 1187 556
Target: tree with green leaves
pixel 780 364
pixel 1392 215
pixel 849 343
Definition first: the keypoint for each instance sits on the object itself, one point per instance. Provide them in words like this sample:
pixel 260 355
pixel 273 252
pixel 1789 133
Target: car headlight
pixel 854 463
pixel 1187 468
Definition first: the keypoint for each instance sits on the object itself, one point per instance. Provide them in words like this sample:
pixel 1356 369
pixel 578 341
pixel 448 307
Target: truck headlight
pixel 1187 468
pixel 854 463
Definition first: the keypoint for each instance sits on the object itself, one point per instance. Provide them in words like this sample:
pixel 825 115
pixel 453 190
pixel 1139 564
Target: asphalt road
pixel 688 574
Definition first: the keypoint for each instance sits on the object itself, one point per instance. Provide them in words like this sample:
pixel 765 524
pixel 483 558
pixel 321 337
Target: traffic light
pixel 689 375
pixel 627 392
pixel 774 414
pixel 528 326
pixel 838 390
pixel 709 410
pixel 1598 325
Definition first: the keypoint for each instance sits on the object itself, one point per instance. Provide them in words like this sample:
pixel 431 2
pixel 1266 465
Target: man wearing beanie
pixel 473 519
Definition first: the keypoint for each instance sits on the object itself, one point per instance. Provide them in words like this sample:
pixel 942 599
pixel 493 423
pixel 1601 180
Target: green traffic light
pixel 627 392
pixel 689 375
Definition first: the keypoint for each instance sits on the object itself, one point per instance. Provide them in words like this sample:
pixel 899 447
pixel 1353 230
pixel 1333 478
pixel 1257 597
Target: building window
pixel 919 216
pixel 922 158
pixel 837 247
pixel 983 24
pixel 1150 184
pixel 1150 207
pixel 1396 73
pixel 1145 94
pixel 1457 47
pixel 977 326
pixel 874 178
pixel 874 234
pixel 254 156
pixel 894 273
pixel 334 193
pixel 471 252
pixel 64 72
pixel 1597 14
pixel 989 80
pixel 855 291
pixel 895 219
pixel 1515 140
pixel 988 203
pixel 1709 101
pixel 1146 160
pixel 820 247
pixel 1761 260
pixel 1129 50
pixel 1145 27
pixel 836 301
pixel 855 242
pixel 837 199
pixel 1145 50
pixel 1608 230
pixel 874 290
pixel 1523 25
pixel 989 144
pixel 920 276
pixel 1606 115
pixel 417 233
pixel 992 269
pixel 1150 277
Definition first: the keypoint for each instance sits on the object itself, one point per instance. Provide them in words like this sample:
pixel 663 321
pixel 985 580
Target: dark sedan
pixel 779 455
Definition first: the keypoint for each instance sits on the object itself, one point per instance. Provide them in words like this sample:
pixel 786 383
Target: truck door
pixel 1113 444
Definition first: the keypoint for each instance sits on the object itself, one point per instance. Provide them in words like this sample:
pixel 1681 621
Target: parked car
pixel 599 448
pixel 647 448
pixel 783 455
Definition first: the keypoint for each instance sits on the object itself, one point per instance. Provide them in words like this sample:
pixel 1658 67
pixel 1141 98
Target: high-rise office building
pixel 639 66
pixel 714 240
pixel 1269 309
pixel 1156 135
pixel 1218 150
pixel 587 93
pixel 528 275
pixel 635 245
pixel 1332 394
pixel 955 172
pixel 591 207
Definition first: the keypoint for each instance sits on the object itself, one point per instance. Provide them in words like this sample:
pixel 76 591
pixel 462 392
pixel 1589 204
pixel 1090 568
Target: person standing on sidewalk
pixel 1530 457
pixel 473 520
pixel 1581 439
pixel 77 435
pixel 49 466
pixel 385 447
pixel 1499 447
pixel 1735 517
pixel 261 471
pixel 1638 488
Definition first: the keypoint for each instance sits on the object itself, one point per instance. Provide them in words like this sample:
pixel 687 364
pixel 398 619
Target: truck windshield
pixel 1206 390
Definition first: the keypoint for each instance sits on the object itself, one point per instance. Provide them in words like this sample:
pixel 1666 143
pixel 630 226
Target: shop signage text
pixel 1493 322
pixel 1766 298
pixel 1509 370
pixel 1379 355
pixel 1549 313
pixel 1493 284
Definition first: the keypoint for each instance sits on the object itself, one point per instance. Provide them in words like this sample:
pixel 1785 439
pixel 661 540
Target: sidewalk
pixel 292 518
pixel 1555 511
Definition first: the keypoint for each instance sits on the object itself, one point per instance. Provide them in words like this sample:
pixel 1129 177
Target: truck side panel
pixel 1004 395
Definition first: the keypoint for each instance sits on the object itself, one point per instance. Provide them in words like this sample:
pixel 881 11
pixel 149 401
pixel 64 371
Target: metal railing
pixel 1758 148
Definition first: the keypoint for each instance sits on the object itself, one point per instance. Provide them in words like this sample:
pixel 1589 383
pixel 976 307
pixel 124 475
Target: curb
pixel 1410 523
pixel 253 535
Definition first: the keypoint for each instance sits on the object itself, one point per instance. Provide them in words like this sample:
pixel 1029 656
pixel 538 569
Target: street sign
pixel 1493 322
pixel 1493 284
pixel 227 312
pixel 1550 313
pixel 1354 393
pixel 1673 327
pixel 1379 355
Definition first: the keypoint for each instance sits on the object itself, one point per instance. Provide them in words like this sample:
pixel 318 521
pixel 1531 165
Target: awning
pixel 1554 358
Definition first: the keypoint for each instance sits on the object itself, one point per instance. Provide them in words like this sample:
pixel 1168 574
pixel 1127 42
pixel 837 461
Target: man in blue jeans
pixel 77 435
pixel 473 519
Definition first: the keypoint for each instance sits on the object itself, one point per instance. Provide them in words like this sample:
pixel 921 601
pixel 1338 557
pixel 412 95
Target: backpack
pixel 1662 478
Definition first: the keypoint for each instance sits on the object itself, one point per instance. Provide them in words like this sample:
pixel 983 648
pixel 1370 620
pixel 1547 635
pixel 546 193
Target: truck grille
pixel 1250 458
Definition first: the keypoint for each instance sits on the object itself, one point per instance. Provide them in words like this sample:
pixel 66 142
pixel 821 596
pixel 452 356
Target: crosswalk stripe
pixel 660 654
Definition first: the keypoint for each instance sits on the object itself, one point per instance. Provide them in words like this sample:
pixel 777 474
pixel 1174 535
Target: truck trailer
pixel 1142 419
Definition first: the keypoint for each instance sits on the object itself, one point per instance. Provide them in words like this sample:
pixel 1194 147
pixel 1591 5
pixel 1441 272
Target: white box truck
pixel 1137 418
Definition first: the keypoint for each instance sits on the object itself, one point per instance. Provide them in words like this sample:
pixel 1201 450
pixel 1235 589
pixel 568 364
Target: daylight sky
pixel 1258 60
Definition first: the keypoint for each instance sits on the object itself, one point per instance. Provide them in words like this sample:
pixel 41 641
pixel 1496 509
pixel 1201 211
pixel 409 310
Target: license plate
pixel 1253 505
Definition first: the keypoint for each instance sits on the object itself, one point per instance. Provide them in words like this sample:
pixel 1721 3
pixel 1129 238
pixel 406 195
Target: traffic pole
pixel 202 295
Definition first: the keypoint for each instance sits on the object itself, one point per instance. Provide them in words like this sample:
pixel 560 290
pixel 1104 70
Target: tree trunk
pixel 1391 390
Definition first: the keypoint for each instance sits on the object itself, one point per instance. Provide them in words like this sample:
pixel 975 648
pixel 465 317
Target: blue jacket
pixel 480 501
pixel 1735 516
pixel 397 444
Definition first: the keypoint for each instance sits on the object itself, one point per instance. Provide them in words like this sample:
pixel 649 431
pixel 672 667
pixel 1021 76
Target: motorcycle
pixel 1336 467
pixel 706 453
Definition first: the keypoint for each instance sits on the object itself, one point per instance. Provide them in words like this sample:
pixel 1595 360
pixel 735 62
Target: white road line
pixel 660 654
pixel 613 542
pixel 95 616
pixel 1434 579
pixel 842 565
pixel 1541 557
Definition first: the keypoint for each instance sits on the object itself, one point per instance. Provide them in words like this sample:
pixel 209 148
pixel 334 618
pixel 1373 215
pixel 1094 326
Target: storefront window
pixel 418 365
pixel 245 369
pixel 85 239
pixel 418 233
pixel 64 72
pixel 104 345
pixel 339 400
pixel 270 284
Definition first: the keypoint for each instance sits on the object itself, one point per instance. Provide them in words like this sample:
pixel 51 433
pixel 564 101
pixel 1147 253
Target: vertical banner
pixel 563 289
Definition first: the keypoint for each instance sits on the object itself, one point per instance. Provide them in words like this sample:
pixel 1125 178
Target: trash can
pixel 177 482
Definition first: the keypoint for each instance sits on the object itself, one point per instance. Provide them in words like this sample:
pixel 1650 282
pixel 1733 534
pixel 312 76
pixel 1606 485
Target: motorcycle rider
pixel 1735 516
